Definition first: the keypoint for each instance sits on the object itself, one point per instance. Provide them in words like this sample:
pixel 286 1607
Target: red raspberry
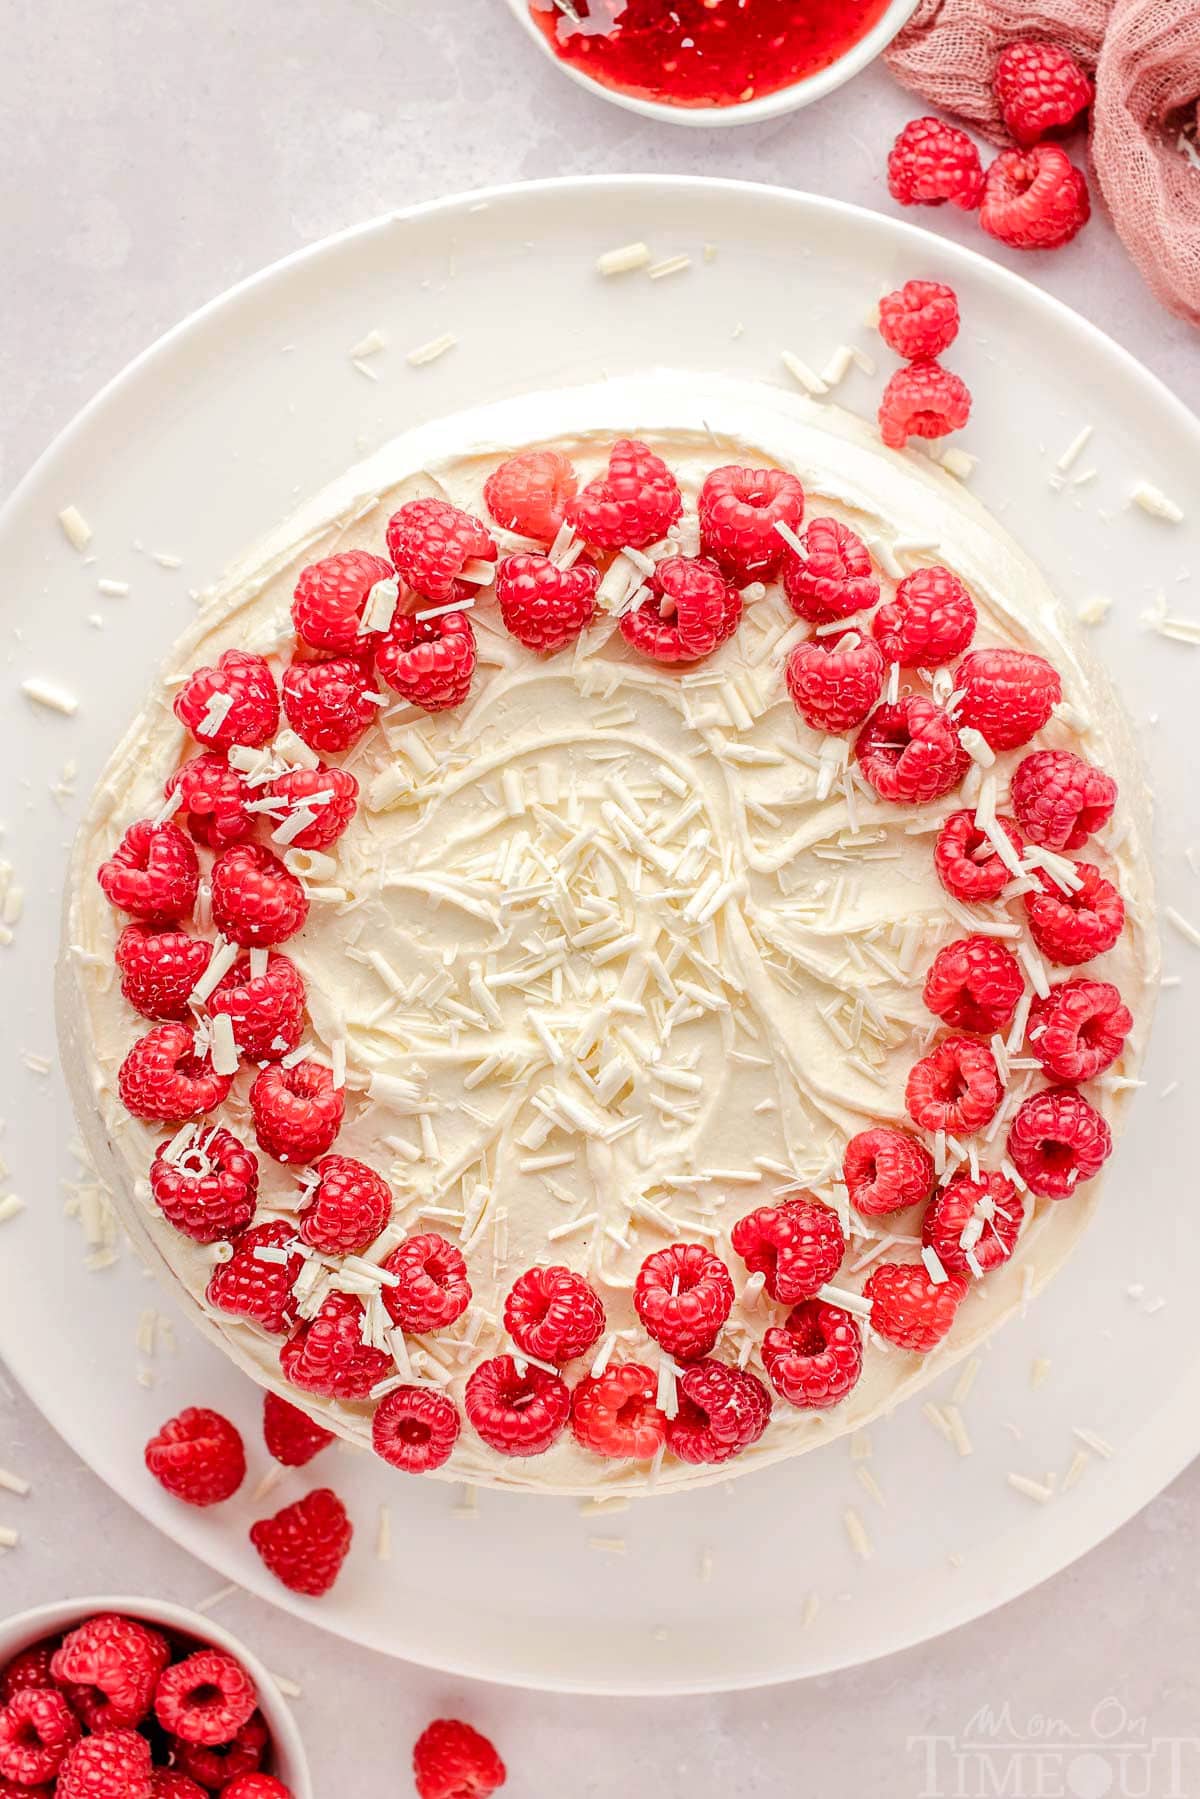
pixel 908 1309
pixel 158 969
pixel 252 716
pixel 37 1728
pixel 922 400
pixel 431 543
pixel 931 620
pixel 683 1295
pixel 910 752
pixel 1071 928
pixel 797 1244
pixel 349 1206
pixel 919 320
pixel 211 1190
pixel 256 1786
pixel 973 1221
pixel 1057 1141
pixel 956 1088
pixel 689 612
pixel 1034 199
pixel 248 1287
pixel 722 1410
pixel 834 577
pixel 1041 88
pixel 634 504
pixel 198 1457
pixel 163 1077
pixel 739 510
pixel 256 901
pixel 529 493
pixel 433 1289
pixel 336 801
pixel 931 162
pixel 1007 695
pixel 213 800
pixel 1079 1030
pixel 113 1766
pixel 329 704
pixel 966 862
pixel 452 1761
pixel 267 1009
pixel 330 595
pixel 543 606
pixel 110 1667
pixel 553 1314
pixel 516 1413
pixel 215 1768
pixel 886 1170
pixel 834 682
pixel 328 1356
pixel 815 1358
pixel 305 1544
pixel 429 662
pixel 616 1413
pixel 166 1784
pixel 291 1436
pixel 206 1698
pixel 153 874
pixel 1060 799
pixel 974 985
pixel 415 1429
pixel 30 1668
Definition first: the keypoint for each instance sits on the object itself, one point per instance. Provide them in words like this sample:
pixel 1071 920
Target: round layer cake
pixel 663 982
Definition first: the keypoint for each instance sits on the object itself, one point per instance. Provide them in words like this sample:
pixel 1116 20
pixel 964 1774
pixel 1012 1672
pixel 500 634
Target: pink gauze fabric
pixel 1145 57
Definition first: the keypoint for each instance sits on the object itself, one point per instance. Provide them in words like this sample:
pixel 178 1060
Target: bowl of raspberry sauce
pixel 712 62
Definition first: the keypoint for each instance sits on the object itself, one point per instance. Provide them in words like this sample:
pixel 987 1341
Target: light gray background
pixel 155 152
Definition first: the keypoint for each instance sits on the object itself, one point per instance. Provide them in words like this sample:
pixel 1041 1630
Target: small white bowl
pixel 288 1762
pixel 745 112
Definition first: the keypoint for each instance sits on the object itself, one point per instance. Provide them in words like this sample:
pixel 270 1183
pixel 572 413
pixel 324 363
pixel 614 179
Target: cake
pixel 663 983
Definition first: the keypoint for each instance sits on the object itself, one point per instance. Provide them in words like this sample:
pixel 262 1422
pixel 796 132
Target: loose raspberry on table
pixel 722 1410
pixel 415 1429
pixel 615 1414
pixel 328 797
pixel 1041 88
pixel 347 1209
pixel 517 1408
pixel 330 597
pixel 329 704
pixel 213 799
pixel 256 901
pixel 233 701
pixel 433 1288
pixel 1057 1140
pixel 1034 199
pixel 163 1076
pixel 553 1314
pixel 971 1225
pixel 328 1356
pixel 798 1245
pixel 267 1010
pixel 922 400
pixel 632 505
pixel 430 662
pixel 886 1169
pixel 545 607
pixel 908 1308
pixel 834 577
pixel 153 874
pixel 683 1295
pixel 955 1088
pixel 110 1668
pixel 931 162
pixel 37 1728
pixel 297 1111
pixel 910 751
pixel 431 542
pixel 1007 695
pixel 919 320
pixel 305 1544
pixel 1079 1029
pixel 198 1457
pixel 206 1698
pixel 529 492
pixel 1060 800
pixel 246 1286
pixel 690 609
pixel 214 1768
pixel 739 511
pixel 158 969
pixel 256 1786
pixel 210 1190
pixel 1072 928
pixel 29 1668
pixel 966 861
pixel 815 1357
pixel 453 1761
pixel 974 984
pixel 931 620
pixel 291 1436
pixel 115 1765
pixel 835 682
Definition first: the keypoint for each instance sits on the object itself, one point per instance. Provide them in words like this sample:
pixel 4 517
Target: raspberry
pixel 452 1761
pixel 553 1314
pixel 886 1169
pixel 329 795
pixel 305 1544
pixel 798 1245
pixel 910 751
pixel 1034 199
pixel 347 1208
pixel 246 1287
pixel 739 510
pixel 966 862
pixel 415 1429
pixel 516 1413
pixel 206 1698
pixel 815 1358
pixel 328 1357
pixel 433 1288
pixel 931 620
pixel 1008 695
pixel 722 1410
pixel 689 611
pixel 1060 799
pixel 297 1112
pixel 111 1666
pixel 1079 1030
pixel 974 985
pixel 267 1010
pixel 1071 928
pixel 158 969
pixel 212 800
pixel 931 162
pixel 214 1768
pixel 634 504
pixel 616 1413
pixel 543 606
pixel 1056 1141
pixel 973 1225
pixel 164 1077
pixel 835 682
pixel 529 494
pixel 30 1668
pixel 234 701
pixel 166 1784
pixel 256 901
pixel 683 1295
pixel 922 400
pixel 908 1308
pixel 1041 88
pixel 153 874
pixel 834 577
pixel 291 1436
pixel 919 320
pixel 37 1728
pixel 115 1765
pixel 256 1786
pixel 209 1191
pixel 198 1457
pixel 330 595
pixel 956 1088
pixel 329 704
pixel 429 662
pixel 431 543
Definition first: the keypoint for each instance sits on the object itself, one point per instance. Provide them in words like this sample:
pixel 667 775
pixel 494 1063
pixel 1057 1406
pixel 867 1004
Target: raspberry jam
pixel 703 52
